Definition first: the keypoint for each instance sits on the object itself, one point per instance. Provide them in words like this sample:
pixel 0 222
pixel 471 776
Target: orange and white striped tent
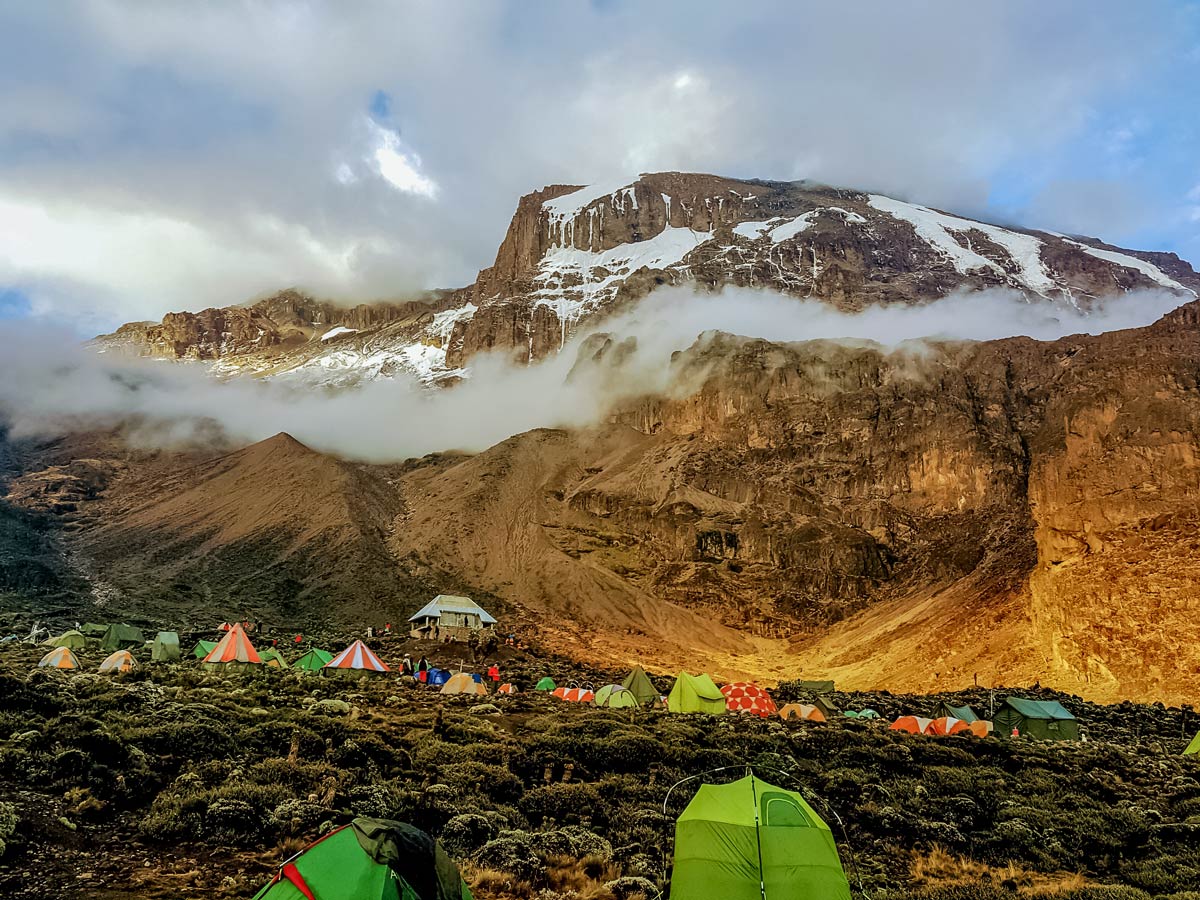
pixel 233 649
pixel 946 725
pixel 59 658
pixel 506 689
pixel 804 711
pixel 911 724
pixel 747 697
pixel 357 656
pixel 121 661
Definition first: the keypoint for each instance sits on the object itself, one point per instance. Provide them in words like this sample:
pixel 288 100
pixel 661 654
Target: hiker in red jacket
pixel 494 672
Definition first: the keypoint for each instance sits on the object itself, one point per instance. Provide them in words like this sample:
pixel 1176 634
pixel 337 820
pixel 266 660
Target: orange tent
pixel 805 711
pixel 980 728
pixel 911 724
pixel 946 725
pixel 462 683
pixel 357 656
pixel 233 649
pixel 507 689
pixel 744 696
pixel 579 695
pixel 120 661
pixel 59 658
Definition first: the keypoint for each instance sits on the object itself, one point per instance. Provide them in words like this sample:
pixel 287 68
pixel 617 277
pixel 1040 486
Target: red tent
pixel 357 656
pixel 744 696
pixel 235 647
pixel 946 725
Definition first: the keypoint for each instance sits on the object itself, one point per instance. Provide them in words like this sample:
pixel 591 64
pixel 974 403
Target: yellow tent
pixel 462 683
pixel 120 661
pixel 696 694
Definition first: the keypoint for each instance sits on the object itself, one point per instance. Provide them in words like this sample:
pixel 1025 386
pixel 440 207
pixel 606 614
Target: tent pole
pixel 762 876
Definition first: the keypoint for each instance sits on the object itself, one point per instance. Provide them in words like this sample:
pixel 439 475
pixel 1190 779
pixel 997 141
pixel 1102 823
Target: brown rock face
pixel 573 254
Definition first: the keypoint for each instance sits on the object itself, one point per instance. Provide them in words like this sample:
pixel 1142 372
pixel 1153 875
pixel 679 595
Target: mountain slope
pixel 573 254
pixel 274 529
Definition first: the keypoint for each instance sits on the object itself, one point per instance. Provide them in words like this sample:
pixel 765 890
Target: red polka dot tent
pixel 744 696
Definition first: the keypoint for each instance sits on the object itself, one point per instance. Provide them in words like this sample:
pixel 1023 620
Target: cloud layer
pixel 166 156
pixel 53 385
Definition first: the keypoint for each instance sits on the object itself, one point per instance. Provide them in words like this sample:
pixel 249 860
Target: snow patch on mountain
pixel 1151 271
pixel 940 231
pixel 336 332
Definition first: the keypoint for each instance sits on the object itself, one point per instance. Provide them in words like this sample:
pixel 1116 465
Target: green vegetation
pixel 202 776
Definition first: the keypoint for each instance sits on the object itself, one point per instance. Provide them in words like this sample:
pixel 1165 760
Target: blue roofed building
pixel 448 616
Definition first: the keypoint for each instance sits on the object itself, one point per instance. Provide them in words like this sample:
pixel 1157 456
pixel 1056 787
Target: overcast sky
pixel 161 156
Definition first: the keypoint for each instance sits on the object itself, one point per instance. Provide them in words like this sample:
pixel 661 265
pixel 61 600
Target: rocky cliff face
pixel 573 254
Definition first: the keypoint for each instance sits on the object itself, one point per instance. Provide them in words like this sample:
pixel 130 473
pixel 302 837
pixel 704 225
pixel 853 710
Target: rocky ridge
pixel 573 254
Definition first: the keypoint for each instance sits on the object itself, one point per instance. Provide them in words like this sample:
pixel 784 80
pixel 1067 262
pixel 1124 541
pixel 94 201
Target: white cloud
pixel 401 169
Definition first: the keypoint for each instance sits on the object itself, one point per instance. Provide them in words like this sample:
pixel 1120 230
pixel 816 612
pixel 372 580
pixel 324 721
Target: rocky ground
pixel 174 782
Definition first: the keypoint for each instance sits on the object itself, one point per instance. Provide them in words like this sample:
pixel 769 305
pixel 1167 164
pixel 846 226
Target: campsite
pixel 202 774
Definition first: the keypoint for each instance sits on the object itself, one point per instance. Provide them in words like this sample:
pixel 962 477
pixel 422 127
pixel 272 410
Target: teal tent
pixel 1046 720
pixel 748 840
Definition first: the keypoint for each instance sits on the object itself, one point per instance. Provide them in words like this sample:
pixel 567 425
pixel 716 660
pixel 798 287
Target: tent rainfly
pixel 748 840
pixel 203 648
pixel 358 657
pixel 369 859
pixel 122 637
pixel 462 683
pixel 72 640
pixel 166 647
pixel 314 660
pixel 639 684
pixel 945 710
pixel 696 694
pixel 274 658
pixel 805 712
pixel 747 697
pixel 546 683
pixel 233 651
pixel 615 696
pixel 1194 747
pixel 59 658
pixel 1046 720
pixel 118 661
pixel 449 616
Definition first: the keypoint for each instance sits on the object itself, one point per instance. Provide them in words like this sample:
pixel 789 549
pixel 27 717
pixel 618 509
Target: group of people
pixel 420 669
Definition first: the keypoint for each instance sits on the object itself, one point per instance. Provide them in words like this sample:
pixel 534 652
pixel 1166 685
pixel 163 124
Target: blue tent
pixel 477 678
pixel 438 677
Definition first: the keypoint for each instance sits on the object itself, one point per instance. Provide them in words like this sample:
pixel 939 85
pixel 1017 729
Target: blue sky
pixel 171 156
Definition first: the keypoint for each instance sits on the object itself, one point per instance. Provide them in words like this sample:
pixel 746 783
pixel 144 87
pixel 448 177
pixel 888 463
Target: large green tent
pixel 122 637
pixel 545 684
pixel 314 660
pixel 72 640
pixel 1194 746
pixel 639 684
pixel 1046 720
pixel 203 648
pixel 750 840
pixel 166 647
pixel 369 859
pixel 954 712
pixel 696 694
pixel 92 630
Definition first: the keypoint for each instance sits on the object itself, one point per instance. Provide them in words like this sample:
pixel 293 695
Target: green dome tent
pixel 203 648
pixel 122 637
pixel 314 660
pixel 750 840
pixel 369 859
pixel 639 684
pixel 546 684
pixel 166 647
pixel 696 694
pixel 72 640
pixel 615 696
pixel 1194 746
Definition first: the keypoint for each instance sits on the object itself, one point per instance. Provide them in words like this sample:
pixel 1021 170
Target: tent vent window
pixel 779 811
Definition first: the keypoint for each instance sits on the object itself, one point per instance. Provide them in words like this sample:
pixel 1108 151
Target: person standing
pixel 494 672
